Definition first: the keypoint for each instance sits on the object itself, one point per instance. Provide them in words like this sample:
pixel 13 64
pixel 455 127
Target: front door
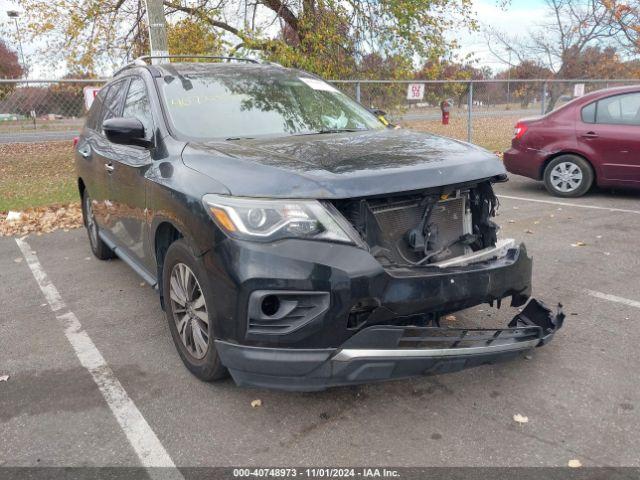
pixel 127 191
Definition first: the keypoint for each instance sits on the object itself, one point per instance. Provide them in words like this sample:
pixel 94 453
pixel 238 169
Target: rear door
pixel 89 166
pixel 127 192
pixel 610 130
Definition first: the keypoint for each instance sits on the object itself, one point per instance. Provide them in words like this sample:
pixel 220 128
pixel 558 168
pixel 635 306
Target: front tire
pixel 189 311
pixel 98 247
pixel 568 176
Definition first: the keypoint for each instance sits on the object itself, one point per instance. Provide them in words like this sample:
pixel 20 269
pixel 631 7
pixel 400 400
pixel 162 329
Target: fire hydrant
pixel 445 106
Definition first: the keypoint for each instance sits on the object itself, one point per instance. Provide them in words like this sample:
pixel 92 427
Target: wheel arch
pixel 165 234
pixel 81 186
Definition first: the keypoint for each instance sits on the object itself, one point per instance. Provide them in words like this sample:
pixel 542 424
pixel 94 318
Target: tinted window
pixel 113 100
pixel 248 103
pixel 589 113
pixel 619 109
pixel 137 105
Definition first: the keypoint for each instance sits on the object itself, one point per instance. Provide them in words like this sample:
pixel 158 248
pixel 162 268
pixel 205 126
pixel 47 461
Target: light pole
pixel 14 14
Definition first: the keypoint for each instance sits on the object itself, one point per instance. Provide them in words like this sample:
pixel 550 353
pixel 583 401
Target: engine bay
pixel 429 228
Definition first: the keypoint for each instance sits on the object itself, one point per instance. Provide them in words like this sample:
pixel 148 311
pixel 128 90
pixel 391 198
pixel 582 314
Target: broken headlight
pixel 267 220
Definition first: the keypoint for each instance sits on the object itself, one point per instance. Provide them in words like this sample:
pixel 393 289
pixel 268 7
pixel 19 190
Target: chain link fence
pixel 482 111
pixel 32 110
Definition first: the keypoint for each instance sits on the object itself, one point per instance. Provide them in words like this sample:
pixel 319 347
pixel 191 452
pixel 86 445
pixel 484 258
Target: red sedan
pixel 594 138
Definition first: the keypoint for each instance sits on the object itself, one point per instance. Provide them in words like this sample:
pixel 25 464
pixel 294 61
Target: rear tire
pixel 189 311
pixel 98 247
pixel 568 176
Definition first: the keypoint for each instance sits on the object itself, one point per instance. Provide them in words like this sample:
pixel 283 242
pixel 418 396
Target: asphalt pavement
pixel 580 393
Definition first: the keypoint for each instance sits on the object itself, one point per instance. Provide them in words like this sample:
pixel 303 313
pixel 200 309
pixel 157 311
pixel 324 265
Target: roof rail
pixel 141 61
pixel 208 57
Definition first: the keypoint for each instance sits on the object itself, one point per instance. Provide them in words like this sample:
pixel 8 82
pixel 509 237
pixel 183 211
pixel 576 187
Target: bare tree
pixel 626 14
pixel 571 27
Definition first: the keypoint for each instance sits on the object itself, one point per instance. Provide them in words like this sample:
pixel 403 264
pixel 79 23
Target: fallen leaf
pixel 579 244
pixel 256 403
pixel 574 463
pixel 17 260
pixel 450 318
pixel 537 222
pixel 528 231
pixel 142 284
pixel 520 418
pixel 512 221
pixel 607 253
pixel 41 220
pixel 4 378
pixel 528 357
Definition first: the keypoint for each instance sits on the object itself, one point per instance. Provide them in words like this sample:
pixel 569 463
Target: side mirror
pixel 125 131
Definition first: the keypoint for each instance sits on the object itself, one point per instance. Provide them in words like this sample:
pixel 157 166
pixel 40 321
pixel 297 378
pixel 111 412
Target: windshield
pixel 245 103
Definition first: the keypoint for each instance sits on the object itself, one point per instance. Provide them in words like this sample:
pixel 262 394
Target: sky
pixel 515 20
pixel 518 18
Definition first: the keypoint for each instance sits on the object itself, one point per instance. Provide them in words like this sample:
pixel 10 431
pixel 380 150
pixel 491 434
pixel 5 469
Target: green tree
pixel 328 37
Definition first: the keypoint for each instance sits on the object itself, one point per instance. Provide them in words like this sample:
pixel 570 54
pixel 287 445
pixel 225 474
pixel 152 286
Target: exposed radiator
pixel 449 221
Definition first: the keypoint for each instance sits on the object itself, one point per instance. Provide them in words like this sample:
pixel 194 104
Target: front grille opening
pixel 424 229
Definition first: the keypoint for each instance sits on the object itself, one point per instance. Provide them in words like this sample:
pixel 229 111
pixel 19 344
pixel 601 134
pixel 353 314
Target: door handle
pixel 85 151
pixel 590 135
pixel 109 167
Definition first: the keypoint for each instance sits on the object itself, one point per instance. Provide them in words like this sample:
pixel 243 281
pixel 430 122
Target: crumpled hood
pixel 343 165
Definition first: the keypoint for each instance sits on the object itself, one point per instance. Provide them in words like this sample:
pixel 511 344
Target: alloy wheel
pixel 189 310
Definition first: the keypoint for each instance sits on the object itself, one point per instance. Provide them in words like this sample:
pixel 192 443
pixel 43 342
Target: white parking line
pixel 613 298
pixel 140 435
pixel 567 204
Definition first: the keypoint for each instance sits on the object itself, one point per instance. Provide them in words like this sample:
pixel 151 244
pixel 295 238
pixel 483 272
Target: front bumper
pixel 380 353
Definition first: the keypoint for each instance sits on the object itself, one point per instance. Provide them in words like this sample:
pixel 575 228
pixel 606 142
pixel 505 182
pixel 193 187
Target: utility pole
pixel 157 30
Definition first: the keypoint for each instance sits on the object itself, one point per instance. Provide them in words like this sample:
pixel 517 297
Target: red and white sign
pixel 89 94
pixel 415 91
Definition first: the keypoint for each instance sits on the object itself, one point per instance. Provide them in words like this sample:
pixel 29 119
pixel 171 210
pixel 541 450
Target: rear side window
pixel 95 112
pixel 618 110
pixel 589 113
pixel 113 100
pixel 137 105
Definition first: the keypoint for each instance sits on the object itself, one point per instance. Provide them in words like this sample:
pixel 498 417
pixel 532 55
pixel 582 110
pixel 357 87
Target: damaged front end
pixel 441 227
pixel 375 313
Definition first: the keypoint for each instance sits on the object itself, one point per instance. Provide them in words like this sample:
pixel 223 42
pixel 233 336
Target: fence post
pixel 358 92
pixel 470 113
pixel 543 100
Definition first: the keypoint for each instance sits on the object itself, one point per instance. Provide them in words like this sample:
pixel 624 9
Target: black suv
pixel 295 239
